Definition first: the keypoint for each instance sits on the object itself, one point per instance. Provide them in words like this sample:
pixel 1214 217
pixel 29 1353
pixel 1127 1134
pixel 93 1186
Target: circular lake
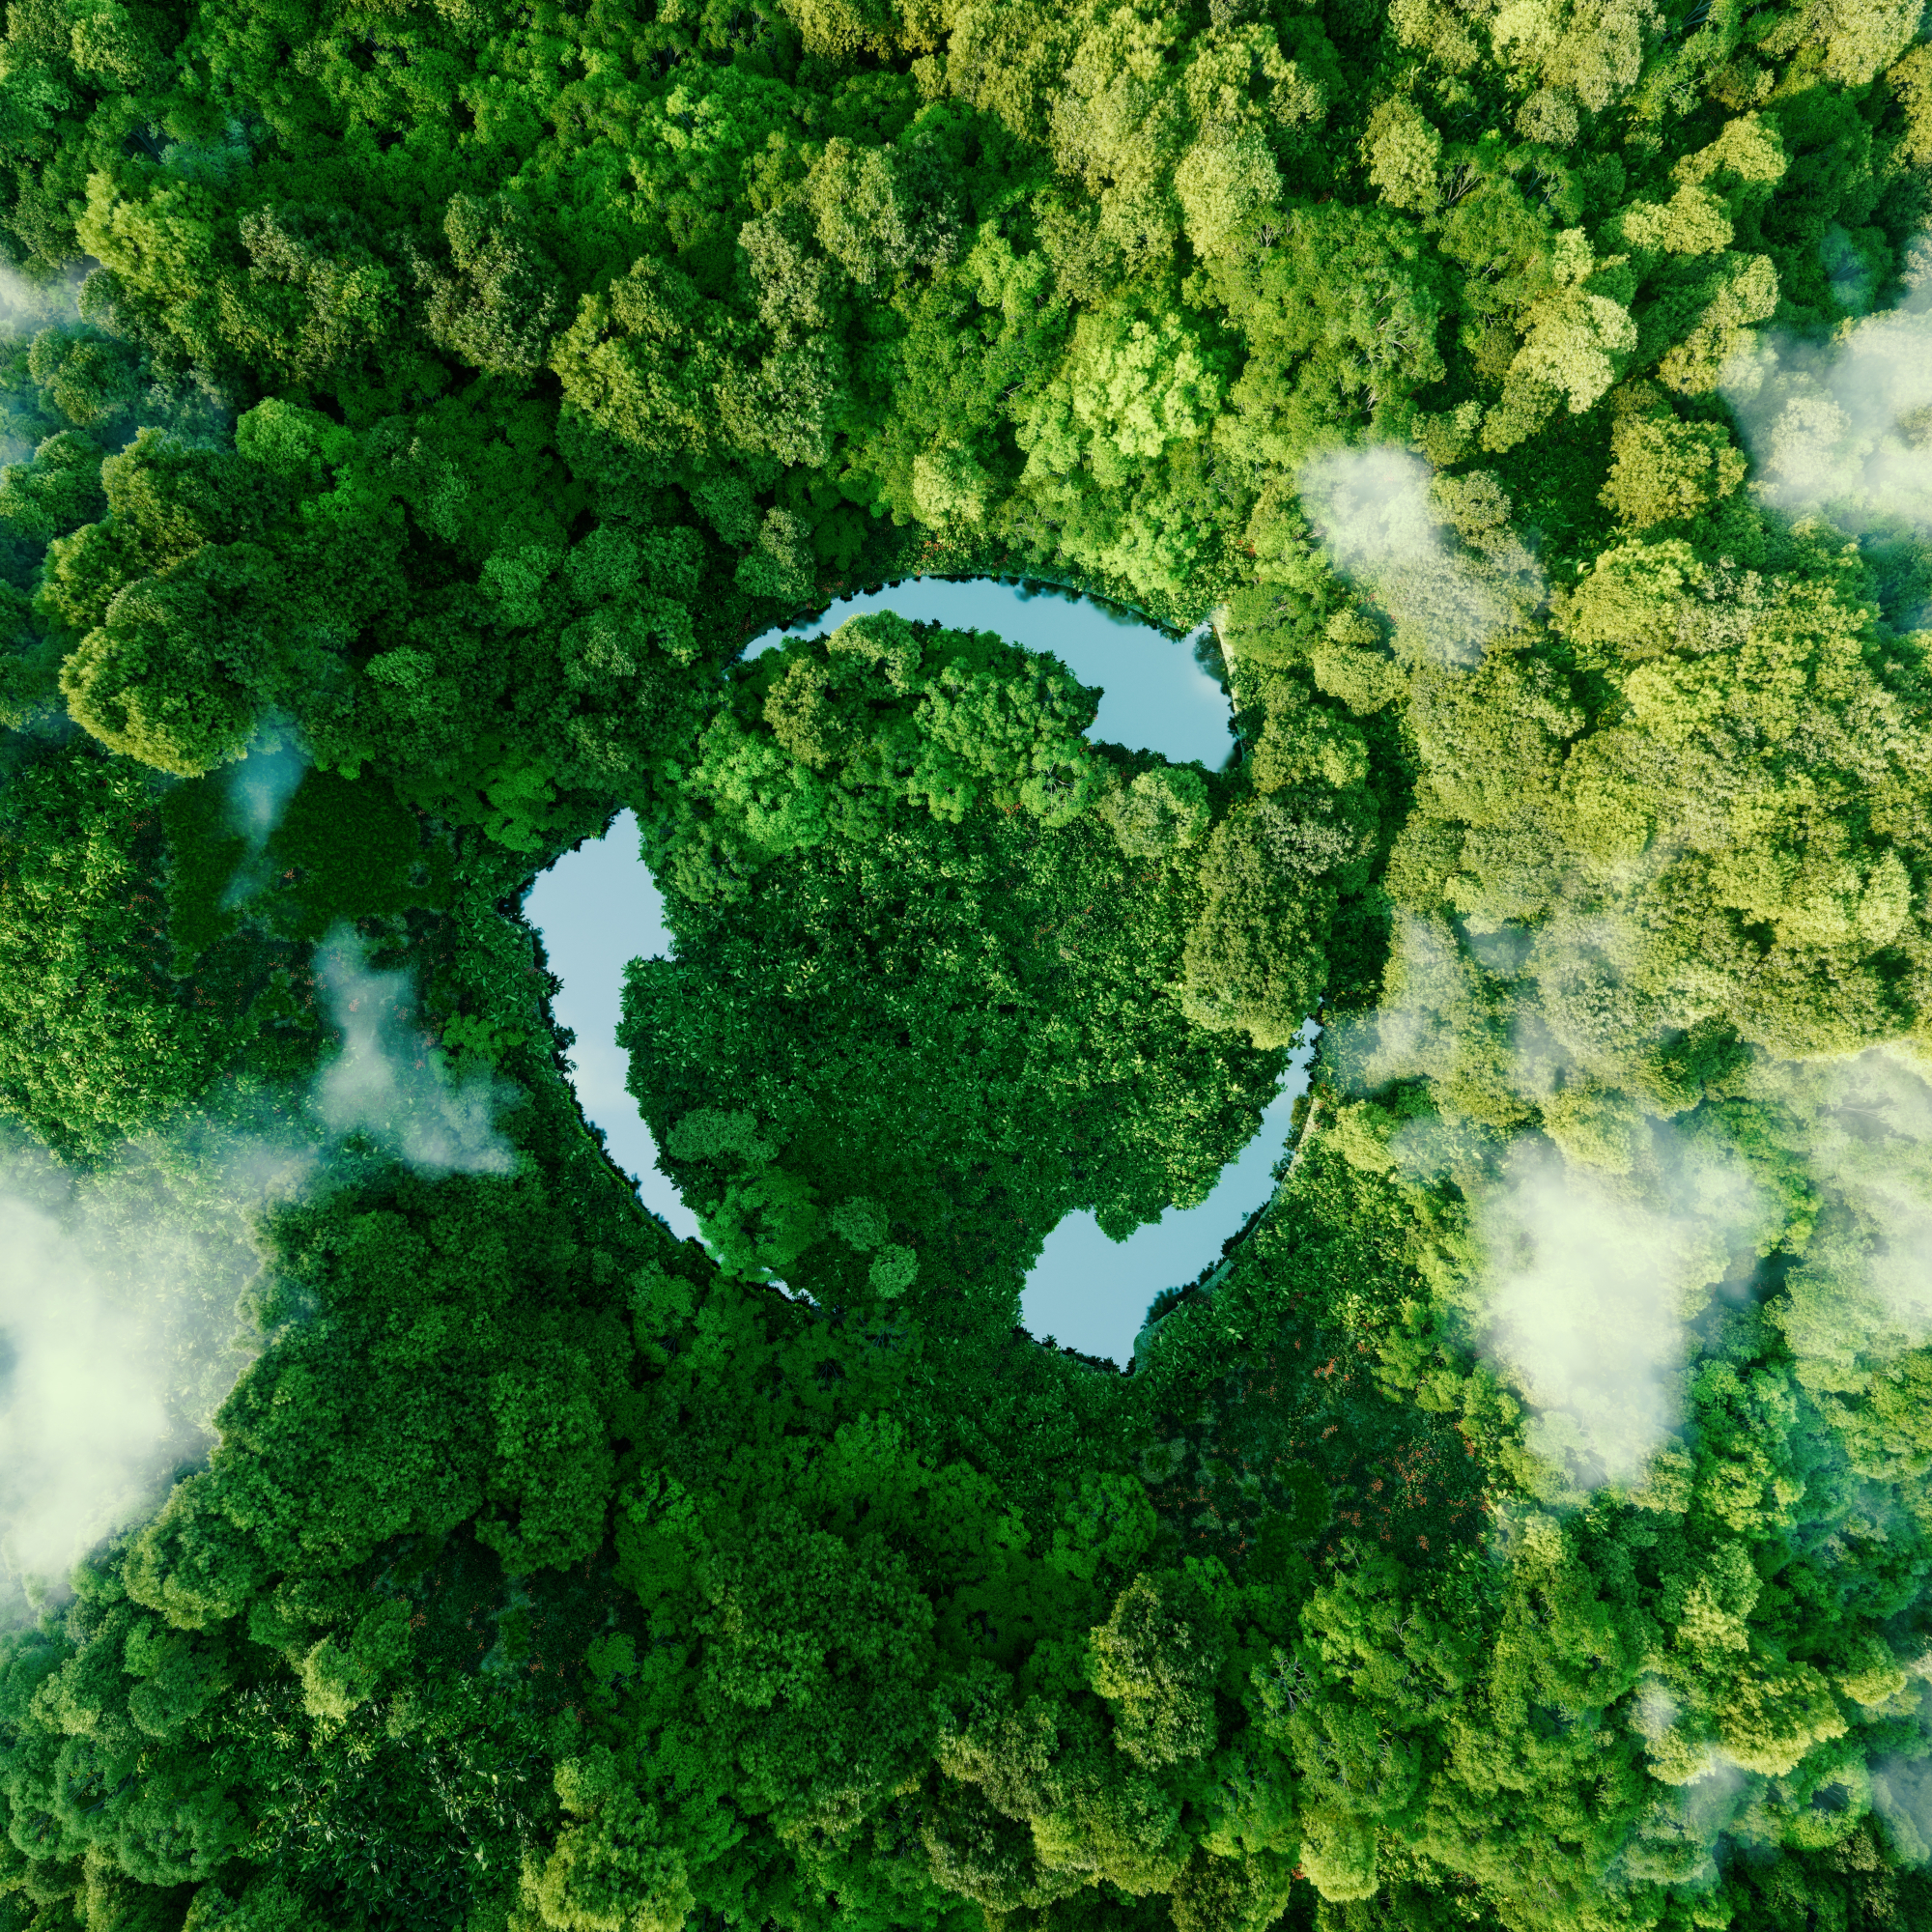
pixel 598 908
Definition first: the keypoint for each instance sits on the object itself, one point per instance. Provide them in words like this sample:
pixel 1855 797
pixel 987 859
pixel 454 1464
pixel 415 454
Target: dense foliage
pixel 413 408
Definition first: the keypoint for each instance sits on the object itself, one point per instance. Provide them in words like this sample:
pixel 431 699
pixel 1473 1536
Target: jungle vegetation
pixel 413 407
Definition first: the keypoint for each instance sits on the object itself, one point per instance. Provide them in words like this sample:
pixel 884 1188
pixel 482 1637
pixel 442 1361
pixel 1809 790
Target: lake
pixel 1158 699
pixel 598 909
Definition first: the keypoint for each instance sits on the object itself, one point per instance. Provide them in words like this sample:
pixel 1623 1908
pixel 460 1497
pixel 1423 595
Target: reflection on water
pixel 598 909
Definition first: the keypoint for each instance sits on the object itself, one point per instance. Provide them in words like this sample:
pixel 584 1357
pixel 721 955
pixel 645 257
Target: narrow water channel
pixel 1156 697
pixel 1090 1293
pixel 598 909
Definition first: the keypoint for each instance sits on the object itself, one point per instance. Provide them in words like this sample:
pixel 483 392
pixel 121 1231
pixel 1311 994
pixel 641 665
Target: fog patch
pixel 1695 1815
pixel 1844 429
pixel 390 1083
pixel 1587 1286
pixel 82 1418
pixel 1902 1795
pixel 128 1292
pixel 1870 1141
pixel 1417 1031
pixel 1863 1292
pixel 28 305
pixel 1596 1242
pixel 257 789
pixel 124 1320
pixel 1390 524
pixel 1553 1013
pixel 1602 1235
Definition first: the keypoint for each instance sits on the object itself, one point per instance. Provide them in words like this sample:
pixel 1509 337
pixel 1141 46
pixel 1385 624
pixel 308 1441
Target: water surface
pixel 1156 697
pixel 1090 1293
pixel 598 909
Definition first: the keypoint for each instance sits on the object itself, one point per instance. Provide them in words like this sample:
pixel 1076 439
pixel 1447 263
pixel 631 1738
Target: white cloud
pixel 1866 1284
pixel 388 1084
pixel 121 1334
pixel 1387 523
pixel 1593 1259
pixel 1600 1243
pixel 1844 429
pixel 1872 1142
pixel 1902 1795
pixel 257 789
pixel 27 306
pixel 83 1424
pixel 1416 1032
pixel 1588 1284
pixel 123 1312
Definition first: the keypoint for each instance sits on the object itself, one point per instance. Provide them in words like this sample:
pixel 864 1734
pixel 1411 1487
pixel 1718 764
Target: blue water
pixel 1155 698
pixel 598 909
pixel 1090 1293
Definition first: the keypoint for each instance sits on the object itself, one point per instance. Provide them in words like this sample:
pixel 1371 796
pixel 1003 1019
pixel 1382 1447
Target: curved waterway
pixel 1155 697
pixel 598 909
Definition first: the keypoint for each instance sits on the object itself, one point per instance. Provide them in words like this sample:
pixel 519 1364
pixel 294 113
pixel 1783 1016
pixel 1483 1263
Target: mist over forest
pixel 411 409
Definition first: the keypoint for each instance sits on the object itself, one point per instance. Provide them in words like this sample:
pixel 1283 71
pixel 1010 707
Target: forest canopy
pixel 411 410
